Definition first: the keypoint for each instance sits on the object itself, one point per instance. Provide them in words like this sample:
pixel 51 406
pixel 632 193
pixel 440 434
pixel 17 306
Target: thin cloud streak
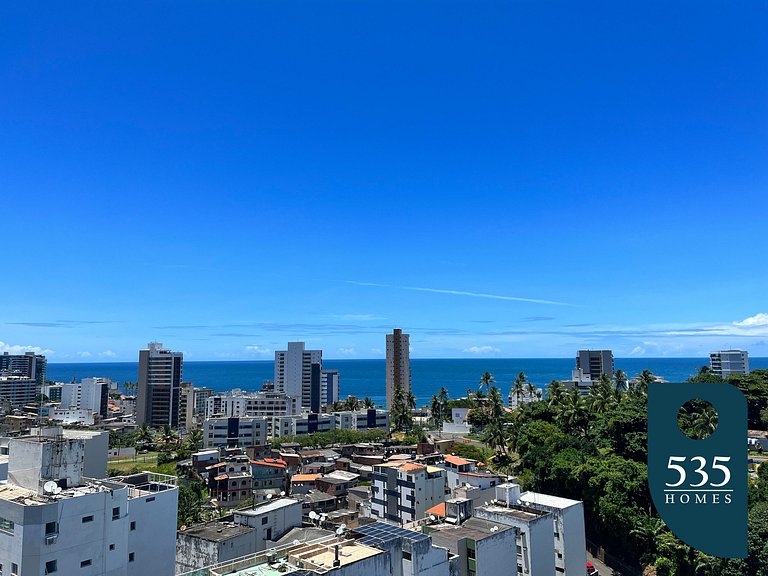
pixel 463 293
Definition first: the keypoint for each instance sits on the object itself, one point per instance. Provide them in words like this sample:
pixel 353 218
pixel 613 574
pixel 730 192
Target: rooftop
pixel 547 500
pixel 268 506
pixel 447 535
pixel 518 512
pixel 456 460
pixel 216 531
pixel 305 477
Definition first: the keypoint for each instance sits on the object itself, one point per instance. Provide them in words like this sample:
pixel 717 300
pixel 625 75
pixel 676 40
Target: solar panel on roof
pixel 380 533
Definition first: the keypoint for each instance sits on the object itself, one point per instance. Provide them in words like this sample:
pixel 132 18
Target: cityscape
pixel 426 288
pixel 294 477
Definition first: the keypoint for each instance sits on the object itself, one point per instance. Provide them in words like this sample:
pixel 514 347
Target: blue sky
pixel 513 179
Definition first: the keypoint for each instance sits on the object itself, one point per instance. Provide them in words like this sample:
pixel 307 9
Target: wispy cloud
pixel 481 350
pixel 107 354
pixel 354 317
pixel 537 318
pixel 63 323
pixel 347 351
pixel 760 319
pixel 462 293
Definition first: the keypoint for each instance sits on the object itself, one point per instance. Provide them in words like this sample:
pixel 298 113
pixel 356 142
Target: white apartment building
pixel 525 397
pixel 300 425
pixel 550 530
pixel 398 363
pixel 568 516
pixel 54 521
pixel 192 403
pixel 89 394
pixel 18 390
pixel 293 372
pixel 403 491
pixel 257 404
pixel 727 362
pixel 362 420
pixel 237 431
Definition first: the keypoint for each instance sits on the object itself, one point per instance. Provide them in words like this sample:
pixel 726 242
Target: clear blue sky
pixel 227 176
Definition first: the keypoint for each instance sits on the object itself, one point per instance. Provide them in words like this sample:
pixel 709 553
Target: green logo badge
pixel 699 487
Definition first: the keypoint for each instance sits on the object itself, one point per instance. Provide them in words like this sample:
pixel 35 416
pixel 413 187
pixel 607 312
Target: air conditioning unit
pixel 51 539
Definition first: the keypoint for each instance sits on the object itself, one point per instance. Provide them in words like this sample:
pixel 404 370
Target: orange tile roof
pixel 456 460
pixel 217 465
pixel 274 464
pixel 438 510
pixel 305 477
pixel 221 477
pixel 410 466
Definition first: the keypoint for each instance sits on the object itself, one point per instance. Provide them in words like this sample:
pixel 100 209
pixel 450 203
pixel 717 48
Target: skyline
pixel 498 180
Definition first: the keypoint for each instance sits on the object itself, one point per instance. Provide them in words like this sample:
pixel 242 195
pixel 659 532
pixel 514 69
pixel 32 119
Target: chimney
pixel 336 561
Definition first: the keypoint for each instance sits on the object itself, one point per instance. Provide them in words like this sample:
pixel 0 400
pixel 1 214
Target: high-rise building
pixel 157 400
pixel 329 387
pixel 27 365
pixel 595 363
pixel 398 364
pixel 293 372
pixel 192 405
pixel 727 362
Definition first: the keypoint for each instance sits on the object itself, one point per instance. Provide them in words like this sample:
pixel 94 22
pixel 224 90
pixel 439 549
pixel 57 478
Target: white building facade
pixel 727 362
pixel 293 371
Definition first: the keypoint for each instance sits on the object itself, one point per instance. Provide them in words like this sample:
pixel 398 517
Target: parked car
pixel 591 570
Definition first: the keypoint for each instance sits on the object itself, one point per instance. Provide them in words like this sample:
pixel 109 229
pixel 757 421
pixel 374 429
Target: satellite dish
pixel 432 517
pixel 343 527
pixel 50 487
pixel 296 542
pixel 57 490
pixel 313 515
pixel 269 496
pixel 282 492
pixel 339 531
pixel 486 503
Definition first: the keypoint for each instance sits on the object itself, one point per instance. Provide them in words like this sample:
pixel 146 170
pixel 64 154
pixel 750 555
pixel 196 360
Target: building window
pixel 50 567
pixel 131 557
pixel 51 528
pixel 6 525
pixel 111 546
pixel 14 569
pixel 133 525
pixel 264 520
pixel 116 513
pixel 87 519
pixel 150 499
pixel 85 563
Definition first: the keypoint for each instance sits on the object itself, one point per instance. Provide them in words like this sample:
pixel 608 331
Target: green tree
pixel 368 403
pixel 620 377
pixel 601 397
pixel 518 387
pixel 572 413
pixel 194 440
pixel 555 393
pixel 145 434
pixel 486 380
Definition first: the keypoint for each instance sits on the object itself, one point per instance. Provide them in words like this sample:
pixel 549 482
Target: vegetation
pixel 322 439
pixel 403 402
pixel 594 448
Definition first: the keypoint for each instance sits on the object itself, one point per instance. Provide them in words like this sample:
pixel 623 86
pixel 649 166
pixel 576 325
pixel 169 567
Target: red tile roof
pixel 456 460
pixel 305 477
pixel 438 510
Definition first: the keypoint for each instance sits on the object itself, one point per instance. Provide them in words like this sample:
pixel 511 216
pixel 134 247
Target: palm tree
pixel 518 387
pixel 643 379
pixel 194 440
pixel 145 434
pixel 555 392
pixel 601 397
pixel 168 434
pixel 703 421
pixel 572 413
pixel 368 403
pixel 352 404
pixel 436 408
pixel 486 380
pixel 621 380
pixel 647 531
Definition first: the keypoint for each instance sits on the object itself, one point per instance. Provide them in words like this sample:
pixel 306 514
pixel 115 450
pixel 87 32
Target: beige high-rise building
pixel 398 363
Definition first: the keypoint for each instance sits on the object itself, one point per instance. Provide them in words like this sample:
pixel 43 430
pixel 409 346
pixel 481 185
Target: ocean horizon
pixel 363 378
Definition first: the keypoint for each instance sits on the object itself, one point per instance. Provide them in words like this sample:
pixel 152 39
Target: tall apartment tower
pixel 727 362
pixel 295 376
pixel 27 365
pixel 157 401
pixel 595 363
pixel 398 363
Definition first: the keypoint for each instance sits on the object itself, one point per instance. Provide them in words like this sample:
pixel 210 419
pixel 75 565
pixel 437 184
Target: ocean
pixel 366 377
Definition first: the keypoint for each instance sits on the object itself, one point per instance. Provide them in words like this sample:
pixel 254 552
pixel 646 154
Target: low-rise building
pixel 230 481
pixel 403 491
pixel 234 432
pixel 303 483
pixel 54 520
pixel 269 473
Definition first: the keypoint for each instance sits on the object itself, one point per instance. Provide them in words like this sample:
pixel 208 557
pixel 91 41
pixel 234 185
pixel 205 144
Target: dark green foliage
pixel 754 386
pixel 333 437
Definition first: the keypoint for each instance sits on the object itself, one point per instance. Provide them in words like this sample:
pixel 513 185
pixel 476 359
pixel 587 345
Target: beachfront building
pixel 403 490
pixel 54 520
pixel 515 401
pixel 297 374
pixel 398 364
pixel 723 363
pixel 242 431
pixel 266 404
pixel 595 363
pixel 158 386
pixel 27 365
pixel 329 387
pixel 370 419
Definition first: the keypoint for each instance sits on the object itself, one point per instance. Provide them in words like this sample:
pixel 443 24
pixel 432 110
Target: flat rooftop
pixel 448 536
pixel 216 531
pixel 523 513
pixel 548 500
pixel 269 506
